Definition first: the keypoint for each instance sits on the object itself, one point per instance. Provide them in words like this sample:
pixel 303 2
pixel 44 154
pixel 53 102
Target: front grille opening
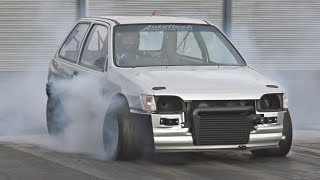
pixel 224 103
pixel 222 114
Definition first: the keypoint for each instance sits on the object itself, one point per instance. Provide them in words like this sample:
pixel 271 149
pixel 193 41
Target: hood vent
pixel 159 88
pixel 272 86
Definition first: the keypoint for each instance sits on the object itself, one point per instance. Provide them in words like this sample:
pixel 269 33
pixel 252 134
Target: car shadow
pixel 185 158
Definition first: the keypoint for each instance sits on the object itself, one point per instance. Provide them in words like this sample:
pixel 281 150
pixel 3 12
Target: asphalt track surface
pixel 26 161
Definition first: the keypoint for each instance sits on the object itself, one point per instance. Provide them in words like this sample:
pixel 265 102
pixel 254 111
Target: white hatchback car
pixel 175 84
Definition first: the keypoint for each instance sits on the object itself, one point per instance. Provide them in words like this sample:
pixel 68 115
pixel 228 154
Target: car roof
pixel 147 19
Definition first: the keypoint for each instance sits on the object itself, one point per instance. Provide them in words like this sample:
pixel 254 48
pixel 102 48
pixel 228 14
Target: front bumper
pixel 178 139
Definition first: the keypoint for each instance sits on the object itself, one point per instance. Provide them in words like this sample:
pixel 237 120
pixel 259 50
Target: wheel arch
pixel 133 102
pixel 117 99
pixel 120 96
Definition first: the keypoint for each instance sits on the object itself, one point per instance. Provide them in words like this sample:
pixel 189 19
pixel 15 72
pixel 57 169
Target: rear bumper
pixel 179 139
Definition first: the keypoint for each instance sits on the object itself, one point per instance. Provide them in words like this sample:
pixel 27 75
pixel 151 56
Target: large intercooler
pixel 222 125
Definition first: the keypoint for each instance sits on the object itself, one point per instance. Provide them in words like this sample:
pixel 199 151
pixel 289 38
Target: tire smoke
pixel 23 113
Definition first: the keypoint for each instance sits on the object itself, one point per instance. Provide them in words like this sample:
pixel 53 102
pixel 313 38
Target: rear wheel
pixel 284 145
pixel 56 118
pixel 126 136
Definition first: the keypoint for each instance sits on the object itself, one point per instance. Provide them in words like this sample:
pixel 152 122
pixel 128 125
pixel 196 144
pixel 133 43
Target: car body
pixel 192 103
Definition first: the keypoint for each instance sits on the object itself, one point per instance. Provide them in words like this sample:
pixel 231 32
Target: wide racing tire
pixel 126 136
pixel 284 145
pixel 56 117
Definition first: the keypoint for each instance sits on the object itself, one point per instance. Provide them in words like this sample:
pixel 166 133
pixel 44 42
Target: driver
pixel 127 48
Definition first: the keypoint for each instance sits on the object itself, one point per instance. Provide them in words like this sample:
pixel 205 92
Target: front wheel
pixel 126 136
pixel 284 145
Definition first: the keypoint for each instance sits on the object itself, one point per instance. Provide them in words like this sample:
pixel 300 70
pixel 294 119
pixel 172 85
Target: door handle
pixel 74 74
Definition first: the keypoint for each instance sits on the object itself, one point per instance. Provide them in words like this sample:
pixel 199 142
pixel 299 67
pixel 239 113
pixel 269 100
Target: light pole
pixel 82 8
pixel 227 7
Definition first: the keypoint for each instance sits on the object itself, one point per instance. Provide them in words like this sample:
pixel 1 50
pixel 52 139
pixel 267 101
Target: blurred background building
pixel 279 37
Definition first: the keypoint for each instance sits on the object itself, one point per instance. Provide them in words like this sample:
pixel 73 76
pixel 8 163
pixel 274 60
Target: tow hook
pixel 242 147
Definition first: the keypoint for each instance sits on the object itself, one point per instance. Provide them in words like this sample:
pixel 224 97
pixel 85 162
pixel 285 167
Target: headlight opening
pixel 270 102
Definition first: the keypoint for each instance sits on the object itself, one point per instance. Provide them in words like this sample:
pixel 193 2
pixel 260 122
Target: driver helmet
pixel 128 41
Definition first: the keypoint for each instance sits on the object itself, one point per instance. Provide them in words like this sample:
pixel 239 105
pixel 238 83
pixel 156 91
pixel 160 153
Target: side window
pixel 71 47
pixel 95 51
pixel 187 44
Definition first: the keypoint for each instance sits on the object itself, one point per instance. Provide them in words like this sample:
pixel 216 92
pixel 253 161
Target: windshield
pixel 173 45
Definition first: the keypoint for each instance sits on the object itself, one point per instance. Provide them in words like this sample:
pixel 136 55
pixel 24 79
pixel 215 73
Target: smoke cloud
pixel 23 113
pixel 302 88
pixel 23 98
pixel 22 105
